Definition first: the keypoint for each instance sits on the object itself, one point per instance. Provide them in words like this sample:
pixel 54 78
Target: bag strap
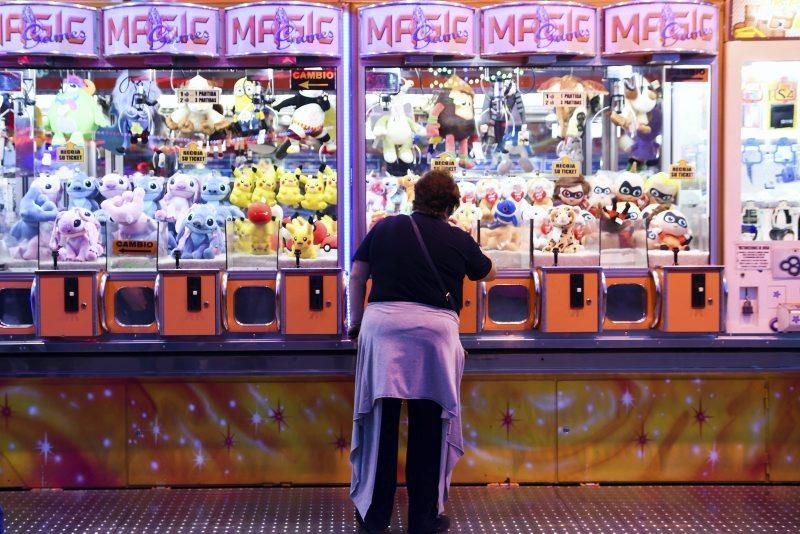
pixel 448 297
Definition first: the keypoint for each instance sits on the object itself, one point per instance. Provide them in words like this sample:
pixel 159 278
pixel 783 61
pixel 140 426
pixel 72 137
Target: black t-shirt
pixel 398 268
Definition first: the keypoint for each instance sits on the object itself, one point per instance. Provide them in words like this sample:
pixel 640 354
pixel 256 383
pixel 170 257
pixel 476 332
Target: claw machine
pixel 656 199
pixel 283 270
pixel 40 226
pixel 762 142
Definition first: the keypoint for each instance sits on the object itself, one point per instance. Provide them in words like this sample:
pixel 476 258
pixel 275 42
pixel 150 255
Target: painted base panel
pixel 476 510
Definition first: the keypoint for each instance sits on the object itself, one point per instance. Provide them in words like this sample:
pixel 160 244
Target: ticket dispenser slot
pixel 692 299
pixel 188 303
pixel 194 294
pixel 311 301
pixel 316 299
pixel 576 291
pixel 571 299
pixel 71 295
pixel 65 304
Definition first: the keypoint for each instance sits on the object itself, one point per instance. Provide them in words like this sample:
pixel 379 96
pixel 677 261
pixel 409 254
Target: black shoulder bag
pixel 448 297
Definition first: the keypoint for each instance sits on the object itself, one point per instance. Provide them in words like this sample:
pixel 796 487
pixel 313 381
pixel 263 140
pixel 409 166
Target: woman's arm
pixel 358 288
pixel 491 275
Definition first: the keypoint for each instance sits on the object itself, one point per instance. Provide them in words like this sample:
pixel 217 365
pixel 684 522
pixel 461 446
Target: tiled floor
pixel 611 509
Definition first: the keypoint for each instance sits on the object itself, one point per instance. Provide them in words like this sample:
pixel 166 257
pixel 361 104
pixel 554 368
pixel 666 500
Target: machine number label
pixel 784 92
pixel 313 79
pixel 70 154
pixel 565 167
pixel 753 257
pixel 572 99
pixel 681 171
pixel 134 248
pixel 191 155
pixel 199 96
pixel 446 164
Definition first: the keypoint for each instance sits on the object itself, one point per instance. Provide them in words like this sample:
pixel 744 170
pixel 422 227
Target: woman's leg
pixel 380 510
pixel 422 463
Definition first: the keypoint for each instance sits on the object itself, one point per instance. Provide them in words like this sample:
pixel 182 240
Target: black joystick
pixel 675 256
pixel 555 257
pixel 54 254
pixel 177 255
pixel 297 258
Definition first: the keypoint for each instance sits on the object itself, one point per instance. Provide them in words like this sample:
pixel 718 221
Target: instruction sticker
pixel 199 96
pixel 565 167
pixel 70 154
pixel 134 248
pixel 572 99
pixel 753 257
pixel 444 163
pixel 681 171
pixel 191 155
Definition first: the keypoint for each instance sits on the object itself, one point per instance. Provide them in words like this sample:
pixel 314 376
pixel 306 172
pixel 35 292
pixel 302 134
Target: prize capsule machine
pixel 655 196
pixel 762 210
pixel 283 273
pixel 543 145
pixel 51 250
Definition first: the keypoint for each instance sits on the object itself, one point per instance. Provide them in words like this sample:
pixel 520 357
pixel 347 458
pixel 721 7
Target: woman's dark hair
pixel 436 193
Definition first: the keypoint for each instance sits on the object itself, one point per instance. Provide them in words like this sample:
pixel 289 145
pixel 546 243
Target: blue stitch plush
pixel 199 233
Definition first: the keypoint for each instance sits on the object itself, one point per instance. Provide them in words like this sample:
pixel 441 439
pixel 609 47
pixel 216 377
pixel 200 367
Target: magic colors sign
pixel 431 28
pixel 540 28
pixel 661 27
pixel 283 28
pixel 159 28
pixel 47 29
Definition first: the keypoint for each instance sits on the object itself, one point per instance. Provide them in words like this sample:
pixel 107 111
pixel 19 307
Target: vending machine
pixel 762 140
pixel 658 204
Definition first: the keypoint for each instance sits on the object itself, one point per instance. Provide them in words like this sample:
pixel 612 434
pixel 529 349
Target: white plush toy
pixel 396 129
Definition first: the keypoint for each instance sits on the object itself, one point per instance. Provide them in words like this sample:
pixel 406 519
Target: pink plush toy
pixel 76 236
pixel 183 190
pixel 127 211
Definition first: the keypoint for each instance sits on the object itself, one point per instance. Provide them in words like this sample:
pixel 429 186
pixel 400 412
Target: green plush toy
pixel 75 114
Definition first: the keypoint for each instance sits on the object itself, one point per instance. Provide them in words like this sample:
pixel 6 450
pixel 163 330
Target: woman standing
pixel 409 349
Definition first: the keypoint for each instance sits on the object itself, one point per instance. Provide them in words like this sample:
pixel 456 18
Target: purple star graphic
pixel 796 319
pixel 508 419
pixel 776 294
pixel 700 416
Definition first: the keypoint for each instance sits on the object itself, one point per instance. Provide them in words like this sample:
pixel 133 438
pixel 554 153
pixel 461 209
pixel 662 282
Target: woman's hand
pixel 353 331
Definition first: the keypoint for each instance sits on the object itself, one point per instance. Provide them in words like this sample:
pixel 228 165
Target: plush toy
pixel 660 191
pixel 640 118
pixel 135 103
pixel 214 191
pixel 153 187
pixel 408 182
pixel 74 113
pixel 38 205
pixel 466 216
pixel 572 119
pixel 503 232
pixel 621 211
pixel 395 196
pixel 600 193
pixel 197 118
pixel 265 185
pixel 76 236
pixel 243 185
pixel 488 191
pixel 507 126
pixel 540 191
pixel 540 217
pixel 452 118
pixel 572 191
pixel 325 232
pixel 199 236
pixel 396 129
pixel 629 187
pixel 562 236
pixel 183 190
pixel 112 185
pixel 289 193
pixel 81 190
pixel 466 191
pixel 669 230
pixel 376 194
pixel 313 199
pixel 249 110
pixel 308 121
pixel 515 189
pixel 300 242
pixel 243 236
pixel 586 225
pixel 262 230
pixel 127 211
pixel 331 193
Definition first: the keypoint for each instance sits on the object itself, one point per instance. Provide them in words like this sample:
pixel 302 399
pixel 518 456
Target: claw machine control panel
pixel 762 167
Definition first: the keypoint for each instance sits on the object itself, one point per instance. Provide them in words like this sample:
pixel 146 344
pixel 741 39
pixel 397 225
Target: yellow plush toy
pixel 243 183
pixel 266 183
pixel 314 199
pixel 243 234
pixel 301 233
pixel 289 189
pixel 331 190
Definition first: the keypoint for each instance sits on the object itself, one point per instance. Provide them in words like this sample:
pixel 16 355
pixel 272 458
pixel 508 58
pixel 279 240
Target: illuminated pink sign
pixel 160 28
pixel 432 28
pixel 47 29
pixel 283 28
pixel 539 28
pixel 647 27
